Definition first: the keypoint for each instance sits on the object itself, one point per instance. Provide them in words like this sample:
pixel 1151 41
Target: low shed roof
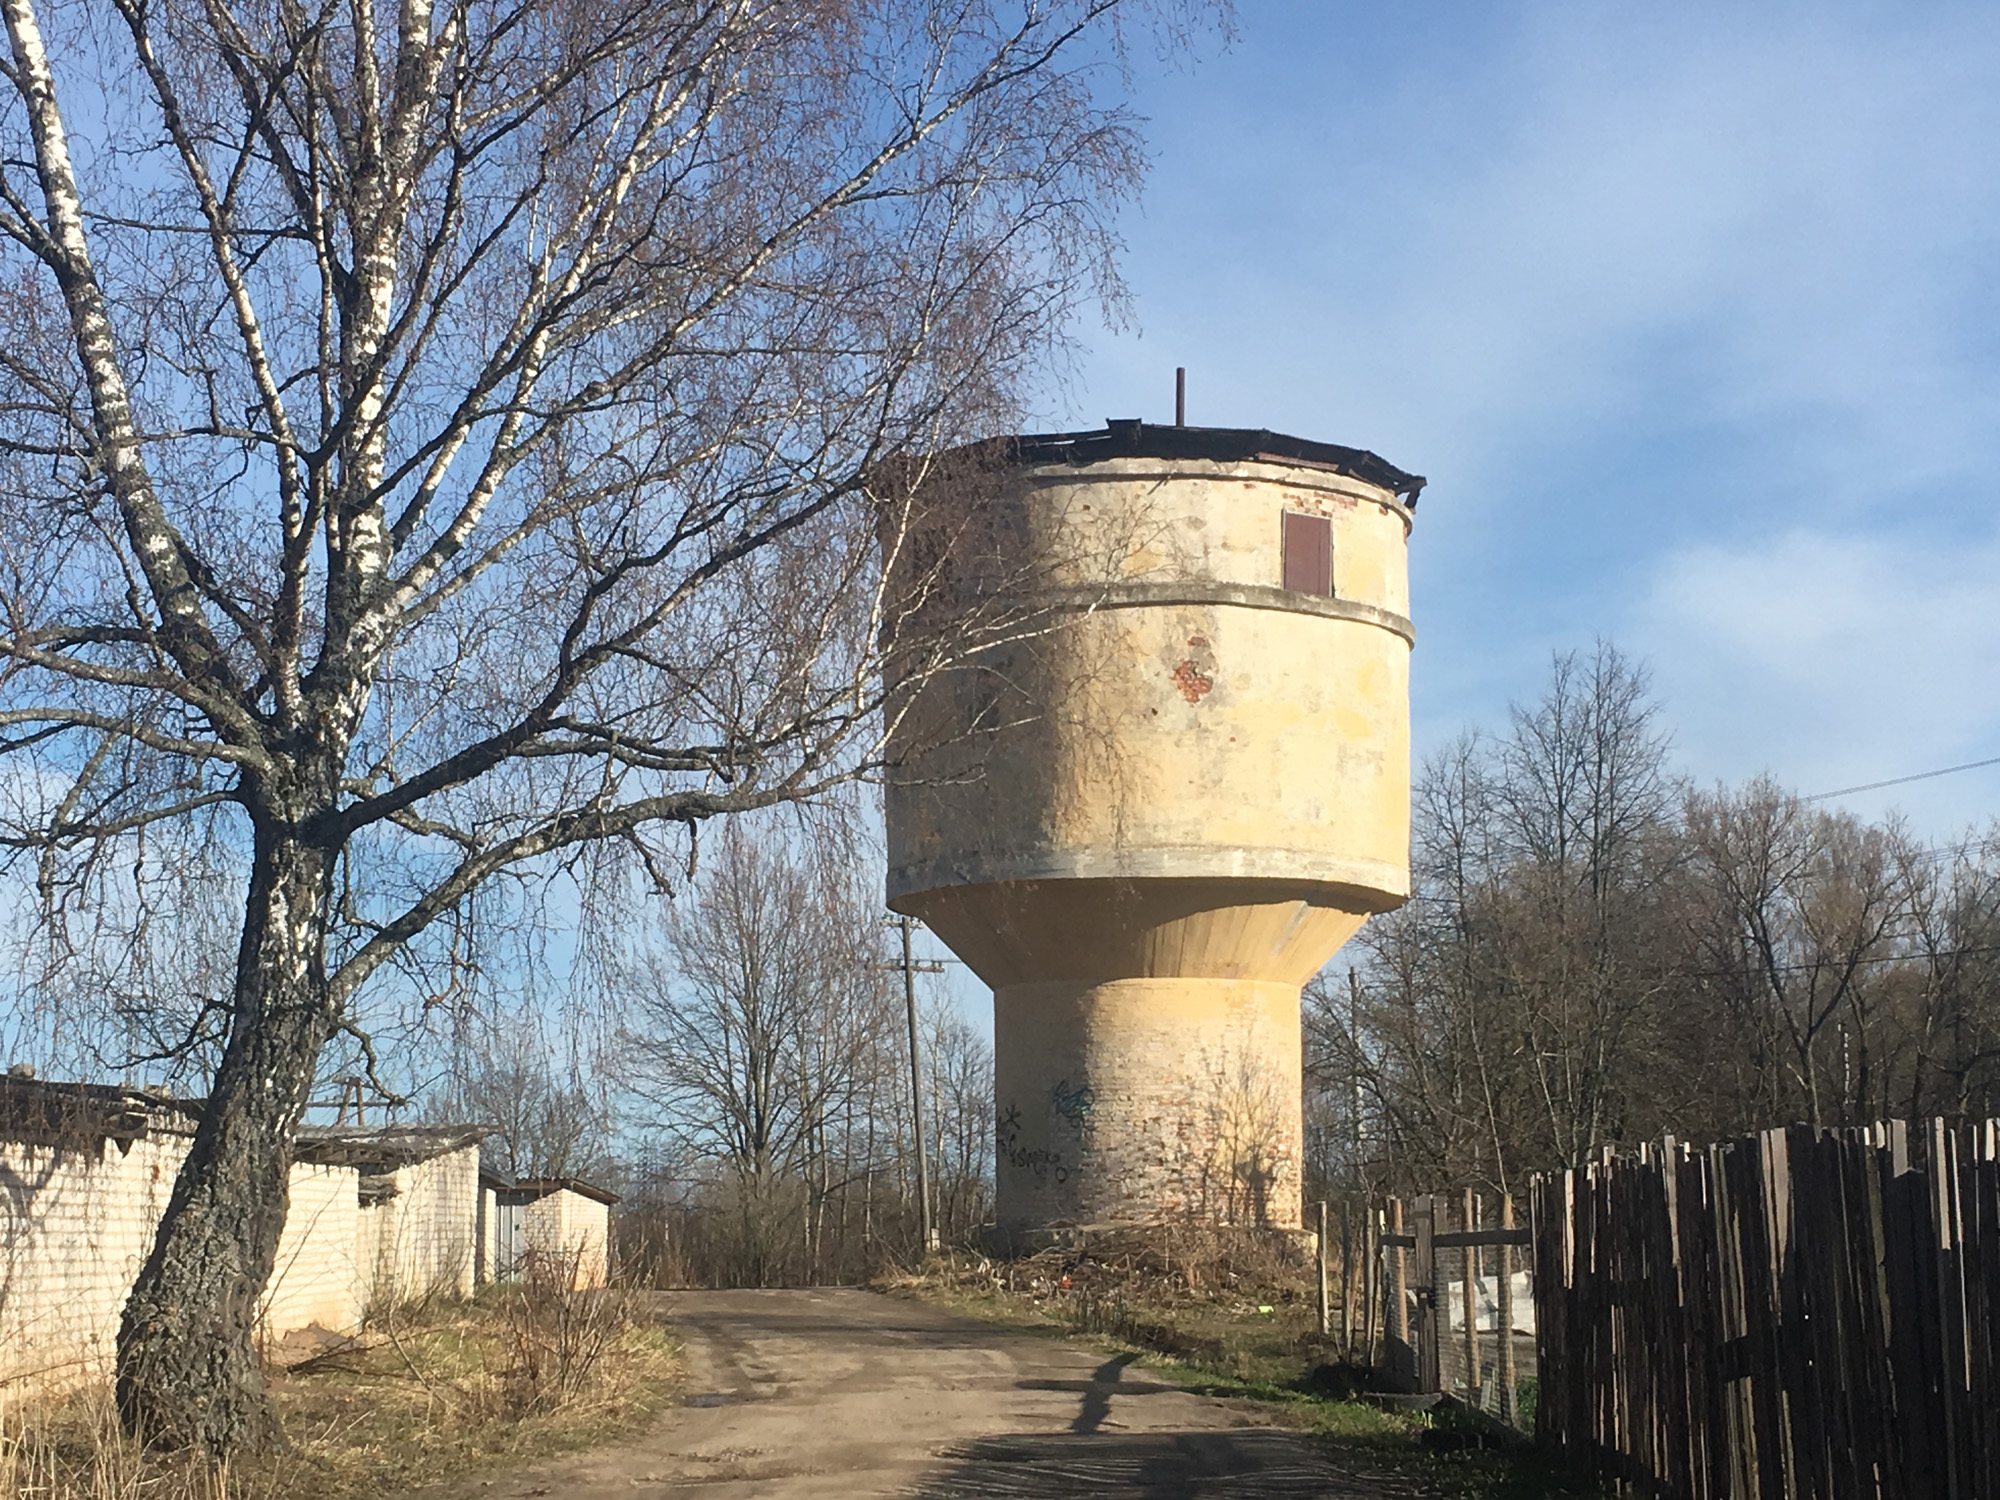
pixel 383 1148
pixel 541 1187
pixel 37 1111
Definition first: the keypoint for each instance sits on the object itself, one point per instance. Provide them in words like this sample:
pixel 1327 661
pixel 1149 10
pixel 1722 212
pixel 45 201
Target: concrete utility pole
pixel 1354 1071
pixel 1357 1188
pixel 910 967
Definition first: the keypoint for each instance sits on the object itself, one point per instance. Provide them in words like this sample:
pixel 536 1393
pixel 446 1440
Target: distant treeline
pixel 1598 951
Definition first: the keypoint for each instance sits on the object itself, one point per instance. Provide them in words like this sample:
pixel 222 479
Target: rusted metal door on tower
pixel 1308 554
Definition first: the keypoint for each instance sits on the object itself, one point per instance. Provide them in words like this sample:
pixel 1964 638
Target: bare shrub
pixel 562 1329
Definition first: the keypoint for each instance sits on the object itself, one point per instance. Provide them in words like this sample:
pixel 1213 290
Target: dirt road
pixel 844 1394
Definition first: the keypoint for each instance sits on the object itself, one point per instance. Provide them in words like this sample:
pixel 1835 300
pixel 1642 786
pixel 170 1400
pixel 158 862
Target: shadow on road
pixel 1097 1396
pixel 1086 1461
pixel 1248 1465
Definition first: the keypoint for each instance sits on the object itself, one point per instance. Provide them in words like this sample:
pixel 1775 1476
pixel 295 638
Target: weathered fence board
pixel 1796 1315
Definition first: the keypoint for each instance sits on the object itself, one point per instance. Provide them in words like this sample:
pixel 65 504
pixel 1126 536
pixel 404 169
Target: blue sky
pixel 1690 314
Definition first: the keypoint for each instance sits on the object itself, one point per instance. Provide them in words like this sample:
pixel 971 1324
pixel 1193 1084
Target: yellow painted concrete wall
pixel 1146 1099
pixel 1197 789
pixel 1195 720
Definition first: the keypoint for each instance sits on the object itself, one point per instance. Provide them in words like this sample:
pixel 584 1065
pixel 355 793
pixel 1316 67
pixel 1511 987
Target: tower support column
pixel 1146 1101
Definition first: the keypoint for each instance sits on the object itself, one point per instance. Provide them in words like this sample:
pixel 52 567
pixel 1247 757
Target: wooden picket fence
pixel 1791 1316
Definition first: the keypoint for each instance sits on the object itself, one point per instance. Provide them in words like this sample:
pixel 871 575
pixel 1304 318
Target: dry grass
pixel 1237 1306
pixel 422 1396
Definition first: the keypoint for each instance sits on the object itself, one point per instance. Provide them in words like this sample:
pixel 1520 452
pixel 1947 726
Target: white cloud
pixel 1711 216
pixel 1833 661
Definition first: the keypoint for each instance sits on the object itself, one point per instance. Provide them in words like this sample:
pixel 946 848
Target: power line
pixel 1876 786
pixel 1912 956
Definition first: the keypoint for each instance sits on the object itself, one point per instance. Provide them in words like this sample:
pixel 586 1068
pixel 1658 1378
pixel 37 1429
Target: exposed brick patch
pixel 1191 683
pixel 1195 676
pixel 77 1221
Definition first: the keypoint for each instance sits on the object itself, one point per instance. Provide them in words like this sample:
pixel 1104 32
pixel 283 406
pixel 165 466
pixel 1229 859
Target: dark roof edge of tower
pixel 1136 439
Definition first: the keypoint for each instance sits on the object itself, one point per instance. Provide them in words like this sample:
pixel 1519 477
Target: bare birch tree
pixel 958 1077
pixel 1803 907
pixel 1954 1030
pixel 434 446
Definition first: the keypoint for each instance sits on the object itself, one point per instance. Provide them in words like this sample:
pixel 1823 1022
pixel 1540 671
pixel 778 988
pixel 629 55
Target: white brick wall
pixel 571 1227
pixel 423 1240
pixel 76 1223
pixel 316 1280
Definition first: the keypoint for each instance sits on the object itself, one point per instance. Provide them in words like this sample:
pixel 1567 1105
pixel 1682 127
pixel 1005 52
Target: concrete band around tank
pixel 1278 471
pixel 1242 596
pixel 1365 885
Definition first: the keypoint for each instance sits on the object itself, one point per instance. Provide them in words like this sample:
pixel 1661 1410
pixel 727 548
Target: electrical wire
pixel 1876 786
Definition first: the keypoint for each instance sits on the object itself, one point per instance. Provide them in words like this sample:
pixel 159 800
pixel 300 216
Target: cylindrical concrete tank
pixel 1157 798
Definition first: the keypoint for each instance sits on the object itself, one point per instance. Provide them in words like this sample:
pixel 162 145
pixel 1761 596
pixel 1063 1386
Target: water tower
pixel 1170 781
